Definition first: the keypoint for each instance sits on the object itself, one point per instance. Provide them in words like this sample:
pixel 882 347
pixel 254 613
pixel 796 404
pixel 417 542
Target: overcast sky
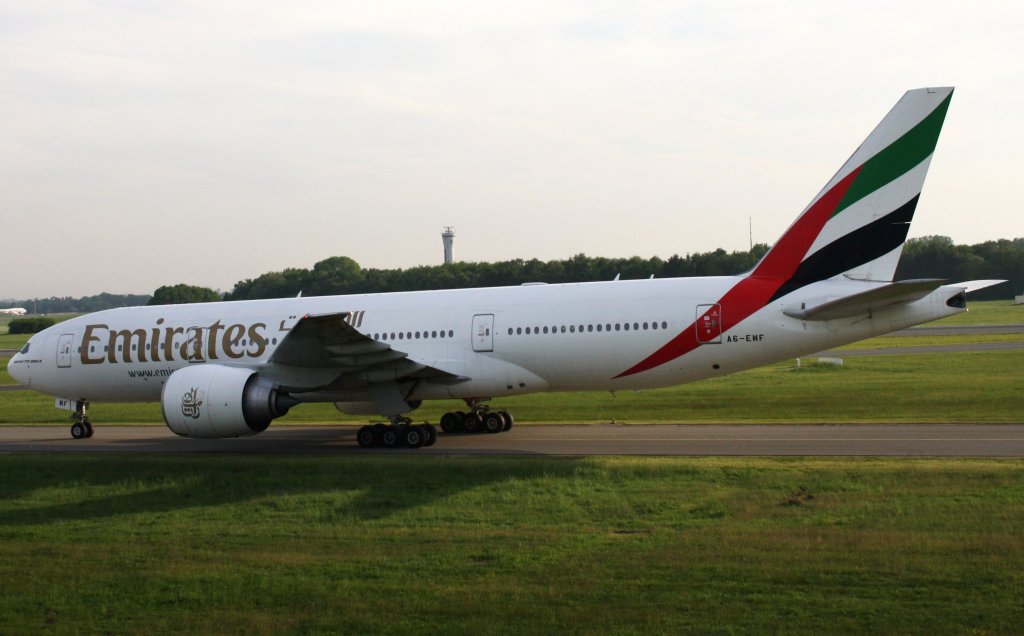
pixel 151 143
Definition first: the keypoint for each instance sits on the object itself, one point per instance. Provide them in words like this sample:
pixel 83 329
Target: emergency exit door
pixel 64 350
pixel 709 324
pixel 483 332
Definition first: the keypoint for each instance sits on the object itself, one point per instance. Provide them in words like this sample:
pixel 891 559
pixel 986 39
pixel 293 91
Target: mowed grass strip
pixel 5 378
pixel 986 312
pixel 886 342
pixel 375 545
pixel 15 341
pixel 965 387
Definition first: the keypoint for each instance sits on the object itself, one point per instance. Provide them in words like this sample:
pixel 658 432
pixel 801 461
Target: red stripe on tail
pixel 753 292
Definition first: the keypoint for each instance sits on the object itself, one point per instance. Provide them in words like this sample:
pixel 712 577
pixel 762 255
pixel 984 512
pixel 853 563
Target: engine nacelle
pixel 211 400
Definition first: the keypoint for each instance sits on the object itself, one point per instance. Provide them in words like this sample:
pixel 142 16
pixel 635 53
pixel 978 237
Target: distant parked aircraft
pixel 14 311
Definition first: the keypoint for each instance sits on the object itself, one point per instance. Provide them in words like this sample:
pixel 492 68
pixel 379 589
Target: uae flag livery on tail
pixel 854 228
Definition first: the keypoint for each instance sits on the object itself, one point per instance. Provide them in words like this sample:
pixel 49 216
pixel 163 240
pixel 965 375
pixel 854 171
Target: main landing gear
pixel 82 427
pixel 480 419
pixel 401 432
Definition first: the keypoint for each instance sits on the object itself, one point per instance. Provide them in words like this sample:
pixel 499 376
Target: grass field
pixel 478 545
pixel 987 312
pixel 17 341
pixel 98 544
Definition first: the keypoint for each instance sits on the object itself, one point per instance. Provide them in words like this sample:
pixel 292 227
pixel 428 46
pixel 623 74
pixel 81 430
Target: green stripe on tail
pixel 897 158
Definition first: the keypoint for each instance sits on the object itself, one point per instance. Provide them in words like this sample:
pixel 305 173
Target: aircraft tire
pixel 450 422
pixel 471 423
pixel 509 420
pixel 366 437
pixel 429 435
pixel 413 437
pixel 79 431
pixel 493 422
pixel 389 438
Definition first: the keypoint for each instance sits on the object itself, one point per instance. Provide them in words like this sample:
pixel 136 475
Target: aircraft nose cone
pixel 14 370
pixel 19 367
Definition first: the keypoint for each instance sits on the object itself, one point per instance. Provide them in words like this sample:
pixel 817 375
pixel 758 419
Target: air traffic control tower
pixel 448 237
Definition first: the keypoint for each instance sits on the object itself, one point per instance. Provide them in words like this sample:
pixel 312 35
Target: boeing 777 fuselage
pixel 228 369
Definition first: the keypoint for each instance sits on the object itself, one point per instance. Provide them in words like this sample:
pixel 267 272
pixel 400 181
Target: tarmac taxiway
pixel 911 440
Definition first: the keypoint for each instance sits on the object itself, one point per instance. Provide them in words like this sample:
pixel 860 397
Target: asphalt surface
pixel 914 440
pixel 958 330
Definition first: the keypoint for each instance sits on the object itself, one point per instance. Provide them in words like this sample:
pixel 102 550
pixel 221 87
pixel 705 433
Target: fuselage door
pixel 709 324
pixel 483 332
pixel 64 350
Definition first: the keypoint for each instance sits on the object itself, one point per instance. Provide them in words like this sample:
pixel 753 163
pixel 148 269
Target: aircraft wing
pixel 328 342
pixel 905 291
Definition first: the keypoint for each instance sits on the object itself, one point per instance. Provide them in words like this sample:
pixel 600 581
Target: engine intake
pixel 211 401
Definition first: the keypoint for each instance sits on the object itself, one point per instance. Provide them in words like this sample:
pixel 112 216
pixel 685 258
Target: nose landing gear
pixel 401 432
pixel 82 427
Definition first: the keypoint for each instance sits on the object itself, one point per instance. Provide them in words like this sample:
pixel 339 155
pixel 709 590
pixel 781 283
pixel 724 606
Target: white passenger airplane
pixel 14 311
pixel 228 369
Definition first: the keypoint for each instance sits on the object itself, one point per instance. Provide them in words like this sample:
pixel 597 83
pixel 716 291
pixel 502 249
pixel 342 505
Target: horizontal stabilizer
pixel 904 291
pixel 975 285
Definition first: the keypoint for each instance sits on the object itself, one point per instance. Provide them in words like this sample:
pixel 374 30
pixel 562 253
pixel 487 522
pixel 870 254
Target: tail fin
pixel 859 221
pixel 855 226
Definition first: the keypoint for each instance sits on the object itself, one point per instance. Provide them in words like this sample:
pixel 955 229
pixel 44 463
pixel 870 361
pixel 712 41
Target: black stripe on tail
pixel 874 240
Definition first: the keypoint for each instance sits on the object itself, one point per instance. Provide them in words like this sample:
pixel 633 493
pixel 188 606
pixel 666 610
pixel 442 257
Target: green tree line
pixel 927 257
pixel 342 275
pixel 71 305
pixel 939 257
pixel 183 294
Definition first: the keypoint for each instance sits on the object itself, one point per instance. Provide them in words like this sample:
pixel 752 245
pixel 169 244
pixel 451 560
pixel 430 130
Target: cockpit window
pixel 25 348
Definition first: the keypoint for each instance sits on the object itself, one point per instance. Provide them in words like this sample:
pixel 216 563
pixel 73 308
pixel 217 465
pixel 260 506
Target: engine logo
pixel 190 403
